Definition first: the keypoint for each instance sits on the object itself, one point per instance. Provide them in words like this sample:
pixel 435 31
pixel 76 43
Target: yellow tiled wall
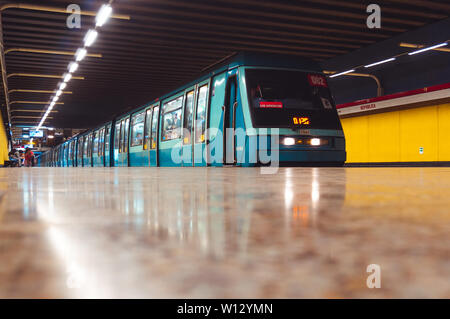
pixel 3 143
pixel 399 136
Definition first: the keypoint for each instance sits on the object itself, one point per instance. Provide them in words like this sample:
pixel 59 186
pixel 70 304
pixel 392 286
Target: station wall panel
pixel 382 145
pixel 418 135
pixel 3 143
pixel 356 134
pixel 413 135
pixel 444 132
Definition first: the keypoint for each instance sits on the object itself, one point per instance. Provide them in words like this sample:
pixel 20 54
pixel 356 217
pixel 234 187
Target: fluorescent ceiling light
pixel 90 37
pixel 50 136
pixel 103 15
pixel 379 62
pixel 58 93
pixel 429 48
pixel 342 73
pixel 67 77
pixel 55 99
pixel 73 66
pixel 80 54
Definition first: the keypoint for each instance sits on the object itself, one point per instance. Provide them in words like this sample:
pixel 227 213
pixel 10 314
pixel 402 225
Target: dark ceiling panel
pixel 168 42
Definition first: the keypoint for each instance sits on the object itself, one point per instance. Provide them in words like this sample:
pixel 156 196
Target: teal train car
pixel 251 109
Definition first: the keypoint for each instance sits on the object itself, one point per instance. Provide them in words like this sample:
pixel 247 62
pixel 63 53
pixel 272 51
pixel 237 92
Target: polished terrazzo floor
pixel 208 233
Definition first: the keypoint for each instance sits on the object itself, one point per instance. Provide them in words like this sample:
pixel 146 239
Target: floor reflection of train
pixel 251 110
pixel 225 215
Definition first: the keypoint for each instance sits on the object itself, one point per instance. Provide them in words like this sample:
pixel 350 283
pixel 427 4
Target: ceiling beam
pixel 57 10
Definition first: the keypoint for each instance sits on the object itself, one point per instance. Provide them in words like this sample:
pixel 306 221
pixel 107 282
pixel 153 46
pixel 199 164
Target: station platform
pixel 224 233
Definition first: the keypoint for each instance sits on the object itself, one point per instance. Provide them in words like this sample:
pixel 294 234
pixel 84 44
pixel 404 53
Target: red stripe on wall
pixel 396 95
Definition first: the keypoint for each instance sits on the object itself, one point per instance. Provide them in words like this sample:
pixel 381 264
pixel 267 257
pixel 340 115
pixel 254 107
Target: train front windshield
pixel 292 99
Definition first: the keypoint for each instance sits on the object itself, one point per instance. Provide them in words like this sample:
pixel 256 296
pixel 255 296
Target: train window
pixel 85 146
pixel 200 120
pixel 117 137
pixel 80 148
pixel 101 135
pixel 125 135
pixel 188 113
pixel 147 128
pixel 90 145
pixel 137 129
pixel 154 135
pixel 122 127
pixel 107 137
pixel 95 144
pixel 286 98
pixel 101 139
pixel 172 119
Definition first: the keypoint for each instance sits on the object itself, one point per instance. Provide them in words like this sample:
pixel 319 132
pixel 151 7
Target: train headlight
pixel 289 141
pixel 315 141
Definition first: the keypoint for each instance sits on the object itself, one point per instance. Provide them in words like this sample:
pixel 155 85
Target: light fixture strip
pixel 90 37
pixel 379 62
pixel 102 16
pixel 80 54
pixel 443 44
pixel 342 73
pixel 429 48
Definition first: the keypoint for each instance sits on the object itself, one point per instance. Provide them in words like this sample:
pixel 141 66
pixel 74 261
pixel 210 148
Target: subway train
pixel 247 110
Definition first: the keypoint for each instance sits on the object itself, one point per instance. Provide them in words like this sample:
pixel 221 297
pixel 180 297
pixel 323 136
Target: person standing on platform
pixel 17 156
pixel 29 158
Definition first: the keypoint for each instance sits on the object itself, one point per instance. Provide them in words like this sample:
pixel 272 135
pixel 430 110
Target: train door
pixel 201 114
pixel 80 151
pixel 216 119
pixel 171 129
pixel 188 126
pixel 230 105
pixel 63 155
pixel 89 153
pixel 101 148
pixel 117 144
pixel 94 148
pixel 154 145
pixel 69 153
pixel 138 152
pixel 73 153
pixel 107 150
pixel 147 134
pixel 125 141
pixel 86 162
